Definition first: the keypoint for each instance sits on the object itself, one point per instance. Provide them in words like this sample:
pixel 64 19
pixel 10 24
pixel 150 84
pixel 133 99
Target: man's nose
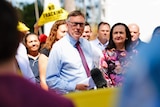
pixel 78 25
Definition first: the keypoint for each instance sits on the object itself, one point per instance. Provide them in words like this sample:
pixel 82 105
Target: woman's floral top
pixel 114 64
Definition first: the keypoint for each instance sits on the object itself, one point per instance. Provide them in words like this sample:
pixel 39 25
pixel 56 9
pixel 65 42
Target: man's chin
pixel 78 35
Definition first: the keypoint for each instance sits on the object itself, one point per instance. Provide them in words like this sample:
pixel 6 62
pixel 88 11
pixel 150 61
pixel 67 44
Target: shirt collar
pixel 99 43
pixel 71 39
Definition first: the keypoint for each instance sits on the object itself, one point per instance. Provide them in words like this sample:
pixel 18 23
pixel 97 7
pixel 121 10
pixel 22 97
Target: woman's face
pixel 32 43
pixel 62 29
pixel 119 35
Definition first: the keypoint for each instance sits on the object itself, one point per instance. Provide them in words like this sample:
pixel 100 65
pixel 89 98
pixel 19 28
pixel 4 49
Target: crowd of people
pixel 57 64
pixel 60 63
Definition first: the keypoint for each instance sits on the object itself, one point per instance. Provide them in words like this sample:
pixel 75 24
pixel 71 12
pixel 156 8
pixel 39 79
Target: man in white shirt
pixel 103 36
pixel 65 70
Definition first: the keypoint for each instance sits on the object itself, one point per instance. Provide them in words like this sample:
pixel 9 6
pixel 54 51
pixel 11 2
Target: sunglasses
pixel 74 24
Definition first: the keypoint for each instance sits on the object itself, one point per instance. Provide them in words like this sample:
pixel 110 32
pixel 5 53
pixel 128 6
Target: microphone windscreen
pixel 98 78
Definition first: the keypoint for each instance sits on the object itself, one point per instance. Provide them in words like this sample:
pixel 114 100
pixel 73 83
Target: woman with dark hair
pixel 114 30
pixel 57 31
pixel 116 56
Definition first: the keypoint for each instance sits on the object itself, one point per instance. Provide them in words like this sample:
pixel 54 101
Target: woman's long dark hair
pixel 128 35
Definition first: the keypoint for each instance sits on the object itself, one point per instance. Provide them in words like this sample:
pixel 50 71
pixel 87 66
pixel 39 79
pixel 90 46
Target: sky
pixel 142 12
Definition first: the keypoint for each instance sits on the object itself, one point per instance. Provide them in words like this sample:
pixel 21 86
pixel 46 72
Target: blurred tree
pixel 27 14
pixel 69 5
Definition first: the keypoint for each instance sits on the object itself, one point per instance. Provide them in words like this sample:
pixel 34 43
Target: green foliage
pixel 27 14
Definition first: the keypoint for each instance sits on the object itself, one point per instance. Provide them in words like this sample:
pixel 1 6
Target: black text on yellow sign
pixel 52 13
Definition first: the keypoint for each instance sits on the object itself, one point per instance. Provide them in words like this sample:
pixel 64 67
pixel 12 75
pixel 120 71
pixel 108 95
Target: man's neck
pixel 103 41
pixel 34 56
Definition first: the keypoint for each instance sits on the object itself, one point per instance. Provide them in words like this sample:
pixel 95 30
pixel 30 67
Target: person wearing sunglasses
pixel 65 70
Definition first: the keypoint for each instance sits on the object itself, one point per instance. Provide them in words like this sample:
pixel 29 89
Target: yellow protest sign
pixel 107 97
pixel 52 13
pixel 22 27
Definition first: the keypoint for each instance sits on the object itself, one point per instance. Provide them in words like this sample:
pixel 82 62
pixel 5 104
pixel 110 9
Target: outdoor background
pixel 143 12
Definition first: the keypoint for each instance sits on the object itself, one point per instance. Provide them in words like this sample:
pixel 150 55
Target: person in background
pixel 21 57
pixel 32 43
pixel 57 31
pixel 87 33
pixel 135 33
pixel 15 90
pixel 142 83
pixel 117 55
pixel 100 43
pixel 65 70
pixel 102 36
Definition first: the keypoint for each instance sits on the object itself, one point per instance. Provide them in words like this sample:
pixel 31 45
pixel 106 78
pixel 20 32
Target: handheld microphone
pixel 98 78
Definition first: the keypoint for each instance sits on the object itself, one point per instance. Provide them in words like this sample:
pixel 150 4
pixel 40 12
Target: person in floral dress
pixel 117 55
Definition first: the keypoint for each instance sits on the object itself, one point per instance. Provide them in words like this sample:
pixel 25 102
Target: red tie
pixel 83 58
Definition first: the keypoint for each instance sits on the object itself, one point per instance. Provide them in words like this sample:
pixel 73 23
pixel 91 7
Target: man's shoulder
pixel 60 43
pixel 94 40
pixel 142 43
pixel 84 42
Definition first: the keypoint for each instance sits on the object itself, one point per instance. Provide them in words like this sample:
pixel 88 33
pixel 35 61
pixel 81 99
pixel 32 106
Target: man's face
pixel 134 31
pixel 32 43
pixel 76 26
pixel 87 32
pixel 103 32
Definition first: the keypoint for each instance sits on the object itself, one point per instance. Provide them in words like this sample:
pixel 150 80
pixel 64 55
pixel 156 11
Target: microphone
pixel 98 78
